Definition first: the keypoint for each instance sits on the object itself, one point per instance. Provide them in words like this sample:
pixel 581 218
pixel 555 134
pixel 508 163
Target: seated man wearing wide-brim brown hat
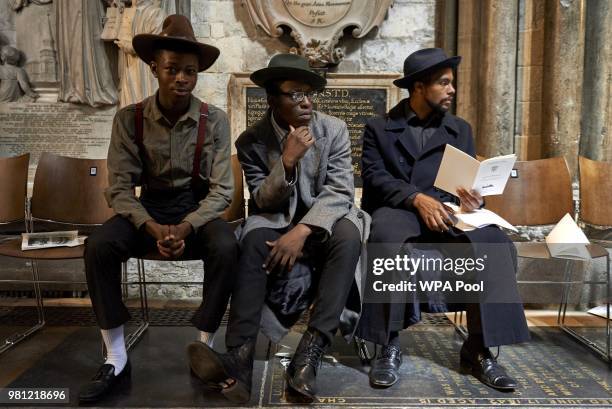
pixel 178 149
pixel 297 164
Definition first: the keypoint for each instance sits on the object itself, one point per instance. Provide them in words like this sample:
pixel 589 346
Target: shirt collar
pixel 152 109
pixel 280 133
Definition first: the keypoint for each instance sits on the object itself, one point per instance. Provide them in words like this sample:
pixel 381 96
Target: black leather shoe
pixel 485 367
pixel 385 369
pixel 301 373
pixel 102 382
pixel 231 372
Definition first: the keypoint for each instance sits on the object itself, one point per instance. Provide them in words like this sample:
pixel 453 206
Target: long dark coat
pixel 393 168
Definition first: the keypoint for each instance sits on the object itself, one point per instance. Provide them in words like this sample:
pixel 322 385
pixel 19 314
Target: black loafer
pixel 485 367
pixel 102 382
pixel 385 369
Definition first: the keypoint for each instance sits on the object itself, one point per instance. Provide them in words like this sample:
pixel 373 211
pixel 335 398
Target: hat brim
pixel 264 75
pixel 405 82
pixel 144 46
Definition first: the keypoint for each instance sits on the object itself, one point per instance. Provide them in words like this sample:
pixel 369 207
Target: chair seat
pixel 12 248
pixel 540 250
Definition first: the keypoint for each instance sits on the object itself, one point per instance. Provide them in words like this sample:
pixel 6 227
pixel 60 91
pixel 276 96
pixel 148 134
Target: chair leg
pixel 14 339
pixel 133 338
pixel 124 278
pixel 603 353
pixel 565 294
pixel 459 327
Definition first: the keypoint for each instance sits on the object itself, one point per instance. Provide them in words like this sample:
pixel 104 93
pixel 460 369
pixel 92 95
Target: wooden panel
pixel 70 190
pixel 595 192
pixel 541 194
pixel 13 187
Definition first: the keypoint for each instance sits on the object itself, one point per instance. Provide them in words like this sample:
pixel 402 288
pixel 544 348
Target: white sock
pixel 116 353
pixel 207 338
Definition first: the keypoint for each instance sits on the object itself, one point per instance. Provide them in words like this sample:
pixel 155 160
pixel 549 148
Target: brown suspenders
pixel 195 173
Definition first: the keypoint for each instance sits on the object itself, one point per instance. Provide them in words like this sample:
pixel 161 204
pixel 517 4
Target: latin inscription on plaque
pixel 353 105
pixel 63 129
pixel 318 13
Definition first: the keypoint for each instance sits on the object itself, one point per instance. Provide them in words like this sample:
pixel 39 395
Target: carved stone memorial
pixel 317 25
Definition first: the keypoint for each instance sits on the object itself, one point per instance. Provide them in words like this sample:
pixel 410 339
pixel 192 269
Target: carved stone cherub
pixel 14 82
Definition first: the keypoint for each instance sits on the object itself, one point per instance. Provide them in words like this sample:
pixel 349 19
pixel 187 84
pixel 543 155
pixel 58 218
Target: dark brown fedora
pixel 176 31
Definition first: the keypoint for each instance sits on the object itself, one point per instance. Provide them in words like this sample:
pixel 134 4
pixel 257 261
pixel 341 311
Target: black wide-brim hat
pixel 177 32
pixel 289 67
pixel 423 61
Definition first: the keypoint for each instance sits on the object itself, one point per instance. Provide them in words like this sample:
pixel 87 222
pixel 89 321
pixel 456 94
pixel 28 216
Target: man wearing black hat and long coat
pixel 178 149
pixel 297 164
pixel 401 157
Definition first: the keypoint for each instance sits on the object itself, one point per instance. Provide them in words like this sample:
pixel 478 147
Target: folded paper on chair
pixel 567 240
pixel 458 169
pixel 45 240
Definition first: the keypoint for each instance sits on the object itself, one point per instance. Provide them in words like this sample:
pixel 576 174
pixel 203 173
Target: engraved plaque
pixel 352 98
pixel 63 129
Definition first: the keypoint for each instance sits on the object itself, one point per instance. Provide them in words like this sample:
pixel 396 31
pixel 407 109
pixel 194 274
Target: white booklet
pixel 477 218
pixel 458 169
pixel 567 240
pixel 44 240
pixel 601 311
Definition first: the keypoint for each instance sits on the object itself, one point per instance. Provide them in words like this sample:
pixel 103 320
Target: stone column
pixel 530 61
pixel 446 26
pixel 486 77
pixel 563 74
pixel 468 40
pixel 498 73
pixel 596 138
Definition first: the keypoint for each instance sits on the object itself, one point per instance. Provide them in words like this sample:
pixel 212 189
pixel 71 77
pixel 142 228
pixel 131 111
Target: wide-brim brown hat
pixel 290 67
pixel 423 61
pixel 177 32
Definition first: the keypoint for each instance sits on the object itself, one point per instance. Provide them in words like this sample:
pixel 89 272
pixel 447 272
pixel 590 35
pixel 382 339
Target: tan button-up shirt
pixel 168 160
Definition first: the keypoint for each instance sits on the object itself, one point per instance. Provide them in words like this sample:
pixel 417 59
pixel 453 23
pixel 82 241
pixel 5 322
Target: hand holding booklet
pixel 477 218
pixel 458 169
pixel 34 241
pixel 567 240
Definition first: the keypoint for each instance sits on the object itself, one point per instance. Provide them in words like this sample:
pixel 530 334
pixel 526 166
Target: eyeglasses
pixel 298 96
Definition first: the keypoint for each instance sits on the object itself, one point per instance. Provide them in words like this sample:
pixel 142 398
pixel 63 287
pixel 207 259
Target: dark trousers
pixel 337 256
pixel 117 240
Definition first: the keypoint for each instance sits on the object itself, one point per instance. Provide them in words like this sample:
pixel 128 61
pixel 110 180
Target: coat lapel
pixel 402 137
pixel 267 137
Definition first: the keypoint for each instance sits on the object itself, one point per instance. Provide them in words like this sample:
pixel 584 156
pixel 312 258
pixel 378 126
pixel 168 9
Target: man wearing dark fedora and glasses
pixel 297 164
pixel 178 149
pixel 401 157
